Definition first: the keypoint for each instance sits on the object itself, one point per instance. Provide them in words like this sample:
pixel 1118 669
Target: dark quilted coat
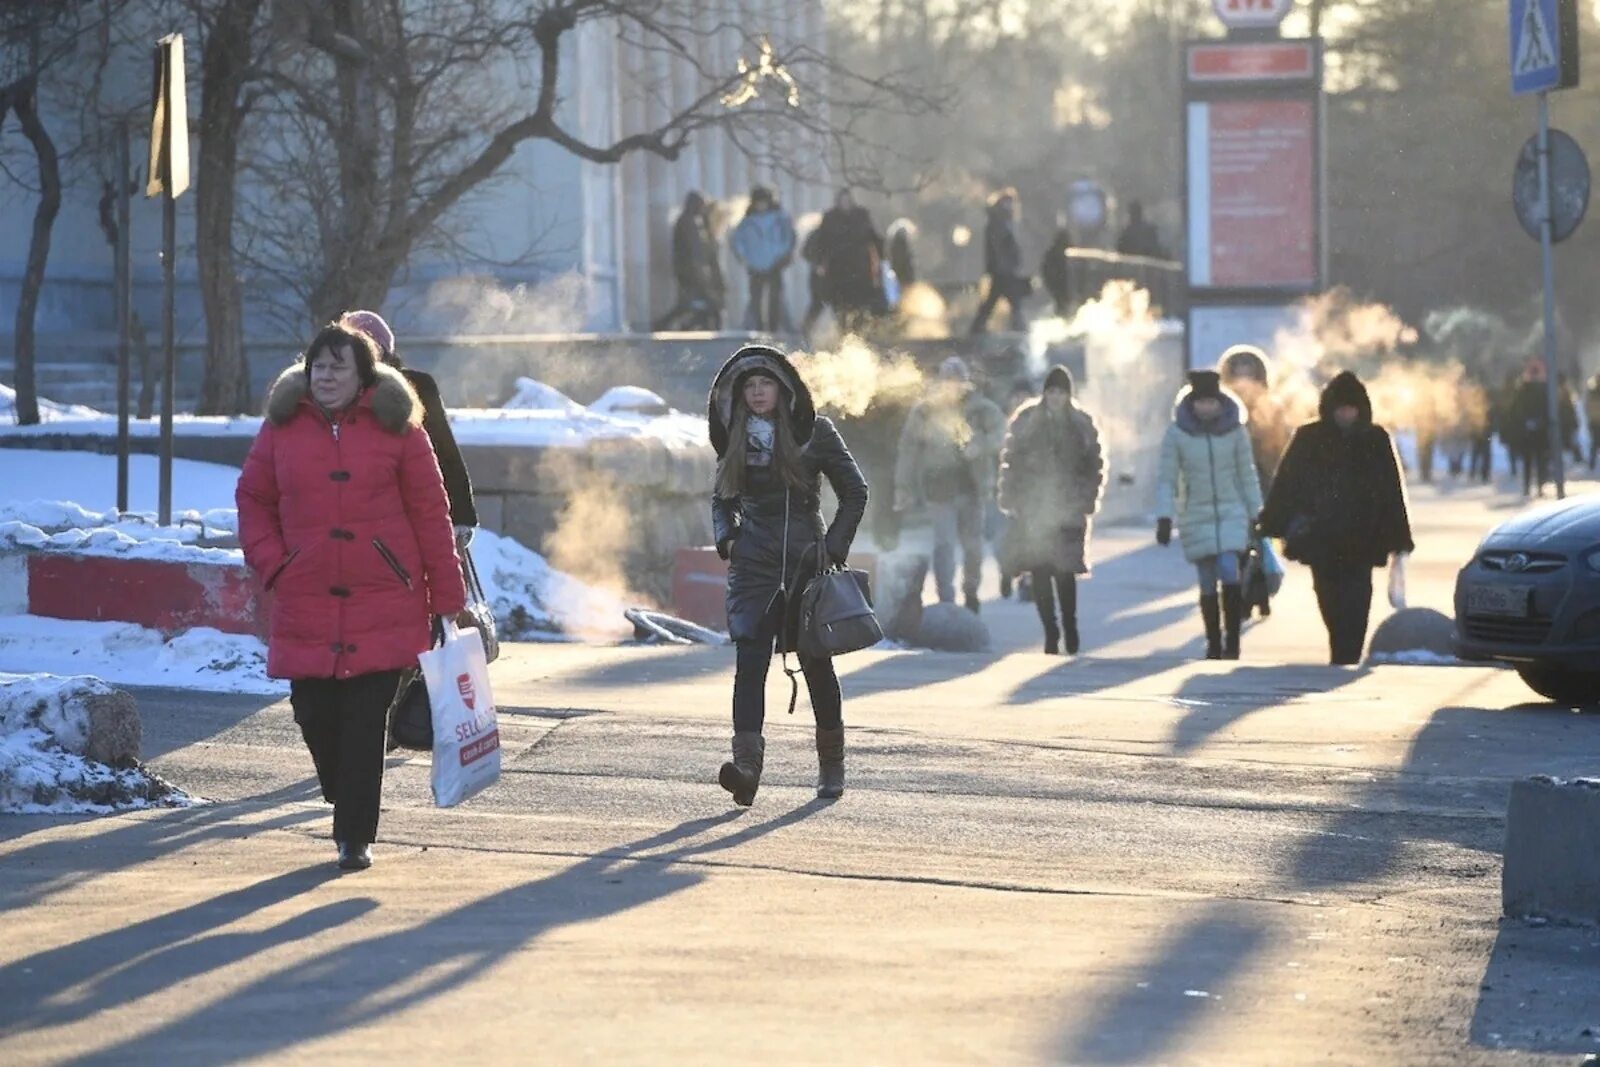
pixel 754 520
pixel 345 520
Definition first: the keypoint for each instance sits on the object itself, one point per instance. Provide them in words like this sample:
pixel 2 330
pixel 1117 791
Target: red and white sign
pixel 1246 14
pixel 1259 61
pixel 1253 194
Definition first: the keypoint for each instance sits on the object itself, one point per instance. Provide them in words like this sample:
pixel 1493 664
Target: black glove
pixel 836 554
pixel 1163 532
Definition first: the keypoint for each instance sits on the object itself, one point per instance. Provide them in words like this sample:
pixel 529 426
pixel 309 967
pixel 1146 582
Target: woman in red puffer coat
pixel 343 516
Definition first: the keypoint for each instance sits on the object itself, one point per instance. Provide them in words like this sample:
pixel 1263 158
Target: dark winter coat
pixel 949 447
pixel 345 521
pixel 1002 254
pixel 694 256
pixel 1052 472
pixel 754 520
pixel 1140 239
pixel 436 424
pixel 1338 499
pixel 1055 270
pixel 848 253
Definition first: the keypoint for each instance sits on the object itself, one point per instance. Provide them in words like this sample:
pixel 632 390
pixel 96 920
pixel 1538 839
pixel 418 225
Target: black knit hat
pixel 1205 383
pixel 1059 378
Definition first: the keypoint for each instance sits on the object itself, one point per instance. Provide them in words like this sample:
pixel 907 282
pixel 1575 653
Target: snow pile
pixel 49 410
pixel 43 725
pixel 66 527
pixel 129 654
pixel 532 600
pixel 531 395
pixel 38 777
pixel 1417 657
pixel 631 401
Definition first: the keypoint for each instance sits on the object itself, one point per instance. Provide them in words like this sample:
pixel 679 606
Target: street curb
pixel 1552 851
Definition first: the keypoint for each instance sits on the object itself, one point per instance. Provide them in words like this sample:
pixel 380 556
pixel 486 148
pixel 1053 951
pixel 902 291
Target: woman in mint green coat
pixel 1208 483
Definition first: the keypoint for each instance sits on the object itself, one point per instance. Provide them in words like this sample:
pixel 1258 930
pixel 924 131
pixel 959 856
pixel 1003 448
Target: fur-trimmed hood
pixel 393 401
pixel 769 361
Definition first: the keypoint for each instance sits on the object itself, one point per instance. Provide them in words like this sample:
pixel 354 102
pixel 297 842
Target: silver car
pixel 1530 597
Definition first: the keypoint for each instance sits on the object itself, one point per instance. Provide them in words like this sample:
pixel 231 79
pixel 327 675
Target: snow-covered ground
pixel 43 728
pixel 125 653
pixel 537 416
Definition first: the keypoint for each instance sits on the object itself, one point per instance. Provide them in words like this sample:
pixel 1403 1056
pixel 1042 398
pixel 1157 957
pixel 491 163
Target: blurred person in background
pixel 1139 236
pixel 764 242
pixel 1002 263
pixel 344 519
pixel 1208 483
pixel 773 452
pixel 901 233
pixel 1021 393
pixel 1339 503
pixel 1530 418
pixel 846 255
pixel 696 269
pixel 435 423
pixel 1055 270
pixel 1052 472
pixel 948 460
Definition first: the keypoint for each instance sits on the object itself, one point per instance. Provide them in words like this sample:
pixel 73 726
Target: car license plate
pixel 1512 600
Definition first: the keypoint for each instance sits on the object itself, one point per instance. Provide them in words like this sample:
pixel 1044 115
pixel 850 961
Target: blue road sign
pixel 1544 45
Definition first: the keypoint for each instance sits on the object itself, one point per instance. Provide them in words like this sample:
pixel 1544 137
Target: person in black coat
pixel 695 267
pixel 846 255
pixel 1339 503
pixel 1055 271
pixel 1002 261
pixel 773 450
pixel 457 482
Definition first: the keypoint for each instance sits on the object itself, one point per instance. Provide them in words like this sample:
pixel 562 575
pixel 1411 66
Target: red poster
pixel 1263 194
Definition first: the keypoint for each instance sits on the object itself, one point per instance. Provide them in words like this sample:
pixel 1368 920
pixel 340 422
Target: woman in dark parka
pixel 435 423
pixel 1339 503
pixel 773 450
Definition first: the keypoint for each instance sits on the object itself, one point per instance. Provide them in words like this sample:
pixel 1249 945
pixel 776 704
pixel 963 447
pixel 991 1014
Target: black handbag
pixel 836 615
pixel 478 607
pixel 411 714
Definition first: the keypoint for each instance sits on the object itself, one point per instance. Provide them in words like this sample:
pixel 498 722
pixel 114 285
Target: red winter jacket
pixel 347 523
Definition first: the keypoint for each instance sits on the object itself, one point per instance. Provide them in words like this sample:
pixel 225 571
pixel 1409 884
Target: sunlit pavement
pixel 1134 857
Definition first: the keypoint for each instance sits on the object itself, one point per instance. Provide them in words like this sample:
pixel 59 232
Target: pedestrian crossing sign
pixel 1544 45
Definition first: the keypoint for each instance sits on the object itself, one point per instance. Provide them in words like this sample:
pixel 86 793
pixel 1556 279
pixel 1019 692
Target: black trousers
pixel 750 687
pixel 1535 468
pixel 1000 289
pixel 1344 596
pixel 345 725
pixel 767 311
pixel 1065 586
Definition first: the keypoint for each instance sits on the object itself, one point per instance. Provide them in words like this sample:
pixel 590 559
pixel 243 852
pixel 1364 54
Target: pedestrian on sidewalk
pixel 696 269
pixel 344 519
pixel 948 459
pixel 1052 472
pixel 1339 503
pixel 773 450
pixel 764 242
pixel 1002 262
pixel 1208 471
pixel 435 423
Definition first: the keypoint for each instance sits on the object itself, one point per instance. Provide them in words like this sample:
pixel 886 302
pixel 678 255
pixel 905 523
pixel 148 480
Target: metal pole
pixel 1547 251
pixel 169 242
pixel 124 296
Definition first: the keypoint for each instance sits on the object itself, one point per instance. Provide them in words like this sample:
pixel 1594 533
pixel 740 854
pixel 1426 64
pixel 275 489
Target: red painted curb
pixel 160 594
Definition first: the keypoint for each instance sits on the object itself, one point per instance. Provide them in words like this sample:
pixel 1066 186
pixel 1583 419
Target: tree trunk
pixel 225 389
pixel 24 102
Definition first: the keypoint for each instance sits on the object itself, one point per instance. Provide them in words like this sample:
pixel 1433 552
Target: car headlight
pixel 1591 559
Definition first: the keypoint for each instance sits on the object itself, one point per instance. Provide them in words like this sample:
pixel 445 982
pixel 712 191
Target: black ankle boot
pixel 353 856
pixel 1232 610
pixel 1211 615
pixel 1069 633
pixel 1052 639
pixel 741 775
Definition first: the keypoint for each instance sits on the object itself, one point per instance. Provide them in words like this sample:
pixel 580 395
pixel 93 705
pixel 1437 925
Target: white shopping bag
pixel 466 736
pixel 1397 581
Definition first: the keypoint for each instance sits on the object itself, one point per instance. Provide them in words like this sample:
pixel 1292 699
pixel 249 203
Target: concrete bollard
pixel 1552 851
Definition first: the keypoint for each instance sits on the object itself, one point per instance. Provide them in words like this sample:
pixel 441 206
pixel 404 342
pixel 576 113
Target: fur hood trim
pixel 391 398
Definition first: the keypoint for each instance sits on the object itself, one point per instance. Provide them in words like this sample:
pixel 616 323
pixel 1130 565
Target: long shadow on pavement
pixel 1391 829
pixel 37 871
pixel 131 962
pixel 1213 702
pixel 356 984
